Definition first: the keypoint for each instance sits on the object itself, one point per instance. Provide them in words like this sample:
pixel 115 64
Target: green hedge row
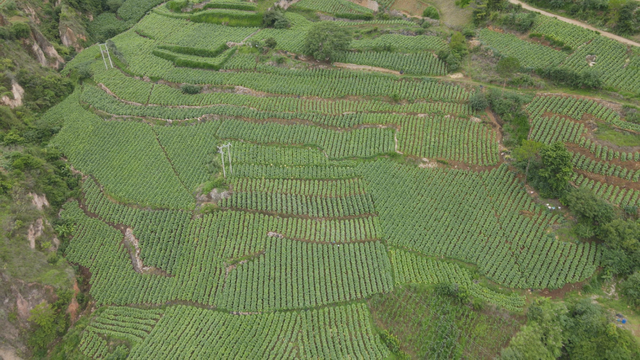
pixel 355 16
pixel 229 17
pixel 192 63
pixel 230 5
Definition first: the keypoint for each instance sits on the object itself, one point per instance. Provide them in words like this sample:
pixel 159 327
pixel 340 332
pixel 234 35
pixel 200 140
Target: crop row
pixel 318 207
pixel 335 332
pixel 476 218
pixel 612 193
pixel 293 274
pixel 327 188
pixel 549 130
pixel 598 167
pixel 339 113
pixel 448 138
pixel 570 106
pixel 571 35
pixel 531 55
pixel 125 157
pixel 400 43
pixel 613 63
pixel 327 83
pixel 332 6
pixel 424 63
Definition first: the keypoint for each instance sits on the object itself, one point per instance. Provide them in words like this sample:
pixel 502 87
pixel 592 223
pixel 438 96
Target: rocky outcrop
pixel 39 201
pixel 38 54
pixel 18 92
pixel 19 298
pixel 31 14
pixel 70 38
pixel 43 51
pixel 35 231
pixel 55 60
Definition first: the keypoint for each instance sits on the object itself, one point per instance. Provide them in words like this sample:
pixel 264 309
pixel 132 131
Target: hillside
pixel 230 179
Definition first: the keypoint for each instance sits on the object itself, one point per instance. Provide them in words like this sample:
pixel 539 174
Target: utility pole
pixel 106 48
pixel 108 55
pixel 222 157
pixel 103 59
pixel 229 153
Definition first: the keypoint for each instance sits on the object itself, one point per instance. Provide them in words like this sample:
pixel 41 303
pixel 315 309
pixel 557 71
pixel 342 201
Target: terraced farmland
pixel 336 188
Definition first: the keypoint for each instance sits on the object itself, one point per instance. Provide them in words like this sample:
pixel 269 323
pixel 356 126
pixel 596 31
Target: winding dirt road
pixel 576 22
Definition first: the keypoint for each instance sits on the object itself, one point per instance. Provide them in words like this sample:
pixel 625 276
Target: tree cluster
pixel 589 79
pixel 455 53
pixel 573 330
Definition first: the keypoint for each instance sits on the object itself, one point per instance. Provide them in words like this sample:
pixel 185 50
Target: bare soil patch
pixel 560 293
pixel 365 68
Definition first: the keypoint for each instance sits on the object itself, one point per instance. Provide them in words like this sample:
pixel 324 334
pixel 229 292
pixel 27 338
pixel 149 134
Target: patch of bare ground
pixel 369 4
pixel 560 293
pixel 72 310
pixel 133 247
pixel 365 68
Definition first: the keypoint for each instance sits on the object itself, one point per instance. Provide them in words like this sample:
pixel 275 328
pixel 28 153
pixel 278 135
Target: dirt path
pixel 576 22
pixel 365 67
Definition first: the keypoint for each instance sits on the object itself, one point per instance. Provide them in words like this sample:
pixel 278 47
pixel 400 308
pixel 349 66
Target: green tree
pixel 556 169
pixel 625 22
pixel 458 45
pixel 592 334
pixel 527 152
pixel 630 288
pixel 431 12
pixel 326 40
pixel 542 337
pixel 622 234
pixel 43 317
pixel 589 207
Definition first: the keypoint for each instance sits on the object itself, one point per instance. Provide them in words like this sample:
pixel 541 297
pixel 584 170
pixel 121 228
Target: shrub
pixel 478 101
pixel 237 6
pixel 177 5
pixel 190 89
pixel 630 288
pixel 587 79
pixel 114 5
pixel 275 18
pixel 20 31
pixel 391 341
pixel 431 12
pixel 271 43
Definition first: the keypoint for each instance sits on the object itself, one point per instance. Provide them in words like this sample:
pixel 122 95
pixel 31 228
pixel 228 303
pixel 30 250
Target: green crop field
pixel 237 198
